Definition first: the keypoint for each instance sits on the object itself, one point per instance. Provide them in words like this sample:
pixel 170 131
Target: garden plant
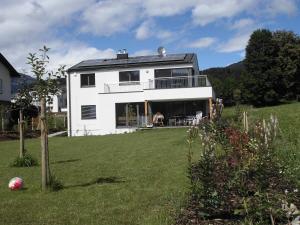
pixel 239 177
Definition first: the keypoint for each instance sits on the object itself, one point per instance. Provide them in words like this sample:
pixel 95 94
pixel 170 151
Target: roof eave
pixel 12 71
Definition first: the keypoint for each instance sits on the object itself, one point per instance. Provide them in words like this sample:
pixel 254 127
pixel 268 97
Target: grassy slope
pixel 288 115
pixel 151 166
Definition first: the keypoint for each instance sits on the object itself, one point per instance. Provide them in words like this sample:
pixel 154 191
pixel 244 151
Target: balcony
pixel 158 83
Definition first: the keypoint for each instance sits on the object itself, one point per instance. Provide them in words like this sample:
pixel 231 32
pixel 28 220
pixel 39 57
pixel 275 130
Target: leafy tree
pixel 46 85
pixel 272 64
pixel 261 65
pixel 288 44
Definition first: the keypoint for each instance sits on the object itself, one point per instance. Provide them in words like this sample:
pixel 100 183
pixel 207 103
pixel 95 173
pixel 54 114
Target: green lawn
pixel 137 178
pixel 141 180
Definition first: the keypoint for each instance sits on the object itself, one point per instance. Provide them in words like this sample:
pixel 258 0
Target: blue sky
pixel 75 30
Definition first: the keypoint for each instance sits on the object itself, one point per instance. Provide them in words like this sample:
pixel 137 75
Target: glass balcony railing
pixel 159 83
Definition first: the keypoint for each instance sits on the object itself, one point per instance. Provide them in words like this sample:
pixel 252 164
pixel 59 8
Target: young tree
pixel 46 85
pixel 21 102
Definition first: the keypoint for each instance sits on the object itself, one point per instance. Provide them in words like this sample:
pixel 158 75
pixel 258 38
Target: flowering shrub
pixel 239 175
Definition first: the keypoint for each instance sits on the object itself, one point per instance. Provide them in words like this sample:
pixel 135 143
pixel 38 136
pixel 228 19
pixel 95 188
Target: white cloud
pixel 77 52
pixel 167 7
pixel 29 20
pixel 149 29
pixel 144 52
pixel 108 17
pixel 202 42
pixel 237 43
pixel 208 11
pixel 144 31
pixel 61 53
pixel 244 23
pixel 288 7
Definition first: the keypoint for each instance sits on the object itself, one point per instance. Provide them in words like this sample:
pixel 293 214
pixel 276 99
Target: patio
pixel 161 114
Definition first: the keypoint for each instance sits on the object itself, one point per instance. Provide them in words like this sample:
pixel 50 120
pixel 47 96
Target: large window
pixel 129 114
pixel 129 77
pixel 173 78
pixel 88 112
pixel 1 87
pixel 176 72
pixel 87 80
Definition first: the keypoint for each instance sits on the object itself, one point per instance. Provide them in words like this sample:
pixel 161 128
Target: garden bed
pixel 240 177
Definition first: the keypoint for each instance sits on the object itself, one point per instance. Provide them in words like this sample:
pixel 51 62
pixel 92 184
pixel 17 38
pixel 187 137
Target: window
pixel 1 87
pixel 87 80
pixel 173 78
pixel 163 73
pixel 176 72
pixel 129 114
pixel 129 77
pixel 88 112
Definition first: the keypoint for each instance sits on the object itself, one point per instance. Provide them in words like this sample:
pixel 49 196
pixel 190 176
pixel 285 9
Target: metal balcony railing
pixel 159 83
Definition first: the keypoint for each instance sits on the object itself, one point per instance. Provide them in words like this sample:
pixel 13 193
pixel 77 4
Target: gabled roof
pixel 10 68
pixel 139 61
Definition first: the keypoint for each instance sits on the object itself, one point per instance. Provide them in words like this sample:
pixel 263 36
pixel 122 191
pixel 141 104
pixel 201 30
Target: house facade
pixel 7 71
pixel 123 94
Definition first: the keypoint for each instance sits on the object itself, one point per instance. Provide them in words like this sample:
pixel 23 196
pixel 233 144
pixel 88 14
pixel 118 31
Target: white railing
pixel 158 83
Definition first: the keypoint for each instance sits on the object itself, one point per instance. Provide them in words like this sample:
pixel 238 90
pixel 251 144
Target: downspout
pixel 69 107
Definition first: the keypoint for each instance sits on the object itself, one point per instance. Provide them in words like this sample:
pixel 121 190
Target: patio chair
pixel 198 117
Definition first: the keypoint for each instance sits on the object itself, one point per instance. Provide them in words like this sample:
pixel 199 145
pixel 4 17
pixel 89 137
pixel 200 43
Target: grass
pixel 288 115
pixel 137 178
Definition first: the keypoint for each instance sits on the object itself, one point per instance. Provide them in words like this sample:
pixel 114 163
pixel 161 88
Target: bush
pixel 55 184
pixel 240 175
pixel 26 161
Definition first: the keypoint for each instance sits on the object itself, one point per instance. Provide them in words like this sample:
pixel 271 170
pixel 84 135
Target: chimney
pixel 122 54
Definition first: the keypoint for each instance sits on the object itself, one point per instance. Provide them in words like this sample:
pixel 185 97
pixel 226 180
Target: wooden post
pixel 127 116
pixel 2 123
pixel 55 126
pixel 137 115
pixel 44 147
pixel 146 111
pixel 65 121
pixel 21 130
pixel 210 108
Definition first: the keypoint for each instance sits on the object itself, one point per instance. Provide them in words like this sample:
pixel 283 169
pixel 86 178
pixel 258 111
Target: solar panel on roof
pixel 132 60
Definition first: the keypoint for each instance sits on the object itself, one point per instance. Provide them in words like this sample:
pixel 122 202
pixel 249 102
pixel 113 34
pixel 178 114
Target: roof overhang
pixel 12 71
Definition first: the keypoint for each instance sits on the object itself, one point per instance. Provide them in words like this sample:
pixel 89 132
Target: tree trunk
pixel 44 146
pixel 21 128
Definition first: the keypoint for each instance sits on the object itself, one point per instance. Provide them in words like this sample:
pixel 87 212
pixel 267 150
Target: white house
pixel 118 95
pixel 7 71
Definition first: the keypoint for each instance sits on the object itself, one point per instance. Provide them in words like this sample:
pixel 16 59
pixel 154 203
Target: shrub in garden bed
pixel 239 178
pixel 26 161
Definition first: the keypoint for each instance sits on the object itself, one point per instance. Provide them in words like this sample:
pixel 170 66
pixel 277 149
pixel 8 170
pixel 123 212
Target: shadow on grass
pixel 65 161
pixel 100 180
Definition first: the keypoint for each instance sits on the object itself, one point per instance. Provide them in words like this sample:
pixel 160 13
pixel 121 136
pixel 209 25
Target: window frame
pixel 94 118
pixel 130 81
pixel 88 85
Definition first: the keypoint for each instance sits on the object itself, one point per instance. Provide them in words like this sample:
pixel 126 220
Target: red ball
pixel 15 183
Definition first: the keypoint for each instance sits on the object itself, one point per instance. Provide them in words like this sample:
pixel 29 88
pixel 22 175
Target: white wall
pixel 105 122
pixel 6 83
